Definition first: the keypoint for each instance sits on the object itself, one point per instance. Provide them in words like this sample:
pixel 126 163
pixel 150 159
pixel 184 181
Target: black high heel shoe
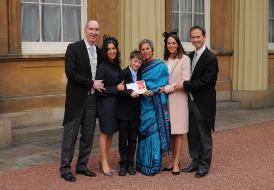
pixel 102 170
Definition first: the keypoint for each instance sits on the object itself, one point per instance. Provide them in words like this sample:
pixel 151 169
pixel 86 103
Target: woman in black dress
pixel 107 100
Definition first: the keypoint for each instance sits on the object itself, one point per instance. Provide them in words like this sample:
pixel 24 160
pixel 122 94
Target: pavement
pixel 243 158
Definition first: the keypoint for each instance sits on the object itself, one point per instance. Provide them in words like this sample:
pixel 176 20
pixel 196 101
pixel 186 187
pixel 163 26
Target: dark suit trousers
pixel 85 122
pixel 199 139
pixel 127 141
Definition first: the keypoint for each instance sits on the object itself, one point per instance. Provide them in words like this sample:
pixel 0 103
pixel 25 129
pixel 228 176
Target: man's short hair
pixel 199 28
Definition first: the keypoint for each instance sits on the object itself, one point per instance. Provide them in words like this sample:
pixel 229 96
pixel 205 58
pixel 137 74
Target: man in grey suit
pixel 81 60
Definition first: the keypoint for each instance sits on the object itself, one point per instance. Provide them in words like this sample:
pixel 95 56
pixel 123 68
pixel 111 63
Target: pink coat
pixel 178 100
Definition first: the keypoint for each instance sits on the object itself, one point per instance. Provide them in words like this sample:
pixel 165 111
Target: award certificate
pixel 138 86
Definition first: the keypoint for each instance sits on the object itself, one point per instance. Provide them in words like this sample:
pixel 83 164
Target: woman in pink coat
pixel 179 69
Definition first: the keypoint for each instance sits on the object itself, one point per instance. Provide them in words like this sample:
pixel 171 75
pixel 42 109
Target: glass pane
pixel 271 8
pixel 73 2
pixel 185 5
pixel 175 20
pixel 199 20
pixel 175 5
pixel 271 31
pixel 185 25
pixel 51 1
pixel 199 6
pixel 71 23
pixel 51 23
pixel 30 23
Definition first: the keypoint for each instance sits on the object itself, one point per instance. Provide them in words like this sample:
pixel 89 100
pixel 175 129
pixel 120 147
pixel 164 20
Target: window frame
pixel 188 47
pixel 31 48
pixel 270 44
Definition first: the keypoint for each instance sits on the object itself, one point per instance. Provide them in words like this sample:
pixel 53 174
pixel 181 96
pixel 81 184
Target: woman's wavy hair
pixel 180 50
pixel 111 40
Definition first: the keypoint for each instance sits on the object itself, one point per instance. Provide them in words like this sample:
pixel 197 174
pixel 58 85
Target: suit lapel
pixel 128 77
pixel 85 55
pixel 200 62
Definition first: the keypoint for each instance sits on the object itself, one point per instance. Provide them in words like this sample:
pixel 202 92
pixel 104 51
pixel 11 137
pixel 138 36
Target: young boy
pixel 128 115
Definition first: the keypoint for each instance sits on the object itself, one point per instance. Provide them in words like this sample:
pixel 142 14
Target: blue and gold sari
pixel 154 129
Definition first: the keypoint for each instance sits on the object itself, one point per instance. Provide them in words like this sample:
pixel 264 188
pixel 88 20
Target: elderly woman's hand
pixel 161 89
pixel 148 93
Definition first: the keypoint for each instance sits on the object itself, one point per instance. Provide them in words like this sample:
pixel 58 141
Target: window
pixel 271 25
pixel 47 26
pixel 187 13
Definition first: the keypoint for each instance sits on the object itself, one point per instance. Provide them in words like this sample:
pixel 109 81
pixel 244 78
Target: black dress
pixel 107 100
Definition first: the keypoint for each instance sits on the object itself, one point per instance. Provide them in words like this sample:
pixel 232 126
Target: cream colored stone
pixel 139 20
pixel 250 65
pixel 5 133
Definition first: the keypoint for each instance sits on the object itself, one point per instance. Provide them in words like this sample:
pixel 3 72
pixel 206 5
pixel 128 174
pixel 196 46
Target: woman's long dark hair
pixel 111 40
pixel 180 50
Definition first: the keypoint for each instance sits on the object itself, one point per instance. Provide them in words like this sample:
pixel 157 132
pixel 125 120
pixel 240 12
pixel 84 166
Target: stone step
pixel 42 125
pixel 227 105
pixel 32 134
pixel 36 133
pixel 35 117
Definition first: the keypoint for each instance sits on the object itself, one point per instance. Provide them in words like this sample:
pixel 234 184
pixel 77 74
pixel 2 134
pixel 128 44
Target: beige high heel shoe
pixel 102 170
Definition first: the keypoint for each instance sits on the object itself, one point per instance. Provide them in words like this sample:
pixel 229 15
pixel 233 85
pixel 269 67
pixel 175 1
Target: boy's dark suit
pixel 128 115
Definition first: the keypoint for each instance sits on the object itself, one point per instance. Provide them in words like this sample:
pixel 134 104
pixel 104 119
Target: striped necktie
pixel 194 61
pixel 93 62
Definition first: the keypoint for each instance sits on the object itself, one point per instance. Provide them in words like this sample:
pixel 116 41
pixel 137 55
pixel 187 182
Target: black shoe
pixel 123 172
pixel 131 170
pixel 68 177
pixel 200 173
pixel 102 170
pixel 86 172
pixel 167 169
pixel 189 169
pixel 176 173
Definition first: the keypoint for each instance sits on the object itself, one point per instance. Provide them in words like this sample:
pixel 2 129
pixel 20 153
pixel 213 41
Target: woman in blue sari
pixel 154 129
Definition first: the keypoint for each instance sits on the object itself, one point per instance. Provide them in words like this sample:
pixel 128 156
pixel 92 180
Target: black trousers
pixel 127 142
pixel 85 122
pixel 199 139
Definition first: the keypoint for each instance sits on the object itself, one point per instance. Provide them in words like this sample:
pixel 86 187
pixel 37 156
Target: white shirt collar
pixel 88 45
pixel 201 50
pixel 132 70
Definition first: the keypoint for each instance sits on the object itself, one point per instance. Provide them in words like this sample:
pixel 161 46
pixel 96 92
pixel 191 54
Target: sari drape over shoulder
pixel 154 129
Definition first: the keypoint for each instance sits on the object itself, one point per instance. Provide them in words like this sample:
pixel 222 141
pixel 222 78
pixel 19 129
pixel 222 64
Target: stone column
pixel 250 65
pixel 141 19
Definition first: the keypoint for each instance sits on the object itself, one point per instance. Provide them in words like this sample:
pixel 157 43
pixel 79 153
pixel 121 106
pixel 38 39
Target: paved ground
pixel 243 158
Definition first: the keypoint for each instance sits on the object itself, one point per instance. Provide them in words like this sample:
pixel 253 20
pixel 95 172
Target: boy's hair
pixel 136 54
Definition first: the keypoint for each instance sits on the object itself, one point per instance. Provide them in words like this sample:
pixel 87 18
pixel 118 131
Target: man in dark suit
pixel 81 60
pixel 129 115
pixel 202 103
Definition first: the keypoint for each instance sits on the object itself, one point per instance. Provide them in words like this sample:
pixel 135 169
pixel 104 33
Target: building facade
pixel 34 35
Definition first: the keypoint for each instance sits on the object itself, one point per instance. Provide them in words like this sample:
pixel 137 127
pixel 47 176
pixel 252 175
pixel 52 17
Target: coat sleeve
pixel 72 70
pixel 209 75
pixel 102 75
pixel 186 69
